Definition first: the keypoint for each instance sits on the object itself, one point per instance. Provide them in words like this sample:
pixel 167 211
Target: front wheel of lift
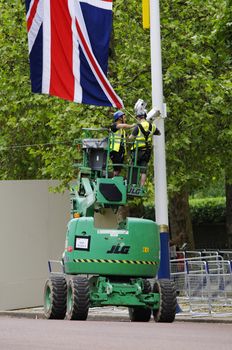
pixel 55 297
pixel 141 314
pixel 167 308
pixel 78 298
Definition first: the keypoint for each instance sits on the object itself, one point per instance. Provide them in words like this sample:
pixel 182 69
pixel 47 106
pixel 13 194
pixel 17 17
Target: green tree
pixel 22 115
pixel 37 131
pixel 195 89
pixel 187 38
pixel 222 105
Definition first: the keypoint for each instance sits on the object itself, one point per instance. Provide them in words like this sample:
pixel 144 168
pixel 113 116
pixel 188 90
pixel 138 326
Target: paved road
pixel 32 334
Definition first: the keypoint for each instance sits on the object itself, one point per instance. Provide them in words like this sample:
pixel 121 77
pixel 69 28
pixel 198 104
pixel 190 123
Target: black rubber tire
pixel 167 308
pixel 55 297
pixel 141 314
pixel 78 298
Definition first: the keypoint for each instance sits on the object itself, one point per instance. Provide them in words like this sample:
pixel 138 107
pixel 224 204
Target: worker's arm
pixel 125 126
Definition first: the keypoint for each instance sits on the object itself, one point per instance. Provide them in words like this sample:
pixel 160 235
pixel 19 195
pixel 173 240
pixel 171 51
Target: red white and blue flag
pixel 68 47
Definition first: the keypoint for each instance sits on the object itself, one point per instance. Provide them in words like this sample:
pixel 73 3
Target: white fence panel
pixel 32 231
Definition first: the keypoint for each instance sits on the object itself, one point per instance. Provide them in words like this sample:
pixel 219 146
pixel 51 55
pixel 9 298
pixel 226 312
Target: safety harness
pixel 145 133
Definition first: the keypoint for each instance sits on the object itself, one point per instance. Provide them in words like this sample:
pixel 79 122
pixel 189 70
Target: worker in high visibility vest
pixel 142 145
pixel 118 141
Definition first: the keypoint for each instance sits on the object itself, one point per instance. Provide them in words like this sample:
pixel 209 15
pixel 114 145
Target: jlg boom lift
pixel 108 259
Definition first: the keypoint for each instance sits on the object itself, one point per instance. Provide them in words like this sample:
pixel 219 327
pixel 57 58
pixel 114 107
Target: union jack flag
pixel 68 47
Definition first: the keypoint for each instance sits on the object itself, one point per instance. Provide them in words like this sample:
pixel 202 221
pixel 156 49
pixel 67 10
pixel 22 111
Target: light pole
pixel 161 200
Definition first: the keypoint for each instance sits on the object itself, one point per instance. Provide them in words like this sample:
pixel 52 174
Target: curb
pixel 205 319
pixel 120 317
pixel 23 314
pixel 40 315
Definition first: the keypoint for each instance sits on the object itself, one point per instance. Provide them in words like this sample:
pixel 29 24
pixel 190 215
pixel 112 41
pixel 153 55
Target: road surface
pixel 33 334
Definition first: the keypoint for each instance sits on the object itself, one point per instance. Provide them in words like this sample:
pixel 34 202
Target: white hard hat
pixel 140 108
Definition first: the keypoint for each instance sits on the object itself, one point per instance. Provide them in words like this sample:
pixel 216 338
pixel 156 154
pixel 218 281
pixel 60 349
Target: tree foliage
pixel 207 210
pixel 196 49
pixel 188 29
pixel 37 131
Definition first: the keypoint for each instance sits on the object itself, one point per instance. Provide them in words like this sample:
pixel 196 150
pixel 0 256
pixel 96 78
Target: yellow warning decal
pixel 138 262
pixel 146 249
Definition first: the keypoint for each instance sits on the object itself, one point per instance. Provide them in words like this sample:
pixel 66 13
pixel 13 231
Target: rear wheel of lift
pixel 167 308
pixel 141 314
pixel 55 297
pixel 78 298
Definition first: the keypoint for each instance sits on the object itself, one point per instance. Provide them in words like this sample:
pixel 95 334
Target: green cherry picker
pixel 109 258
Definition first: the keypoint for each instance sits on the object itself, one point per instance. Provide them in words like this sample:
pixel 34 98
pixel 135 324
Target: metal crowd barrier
pixel 203 283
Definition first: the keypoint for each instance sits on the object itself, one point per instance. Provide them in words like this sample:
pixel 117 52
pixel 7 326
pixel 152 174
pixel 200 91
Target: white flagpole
pixel 161 201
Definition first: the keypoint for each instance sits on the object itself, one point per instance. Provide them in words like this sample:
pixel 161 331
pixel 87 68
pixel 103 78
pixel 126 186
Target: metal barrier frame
pixel 204 283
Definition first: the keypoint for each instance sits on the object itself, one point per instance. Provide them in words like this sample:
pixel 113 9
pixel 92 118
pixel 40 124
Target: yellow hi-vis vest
pixel 116 139
pixel 140 141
